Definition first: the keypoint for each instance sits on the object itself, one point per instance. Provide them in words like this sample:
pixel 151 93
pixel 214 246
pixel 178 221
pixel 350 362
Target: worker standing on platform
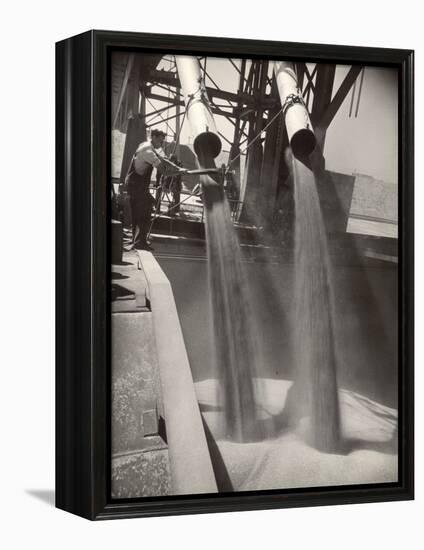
pixel 138 179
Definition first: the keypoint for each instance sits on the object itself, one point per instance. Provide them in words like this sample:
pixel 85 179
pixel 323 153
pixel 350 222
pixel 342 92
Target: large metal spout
pixel 206 141
pixel 299 128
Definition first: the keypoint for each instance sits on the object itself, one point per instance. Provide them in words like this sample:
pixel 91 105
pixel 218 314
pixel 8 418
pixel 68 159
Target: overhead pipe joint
pixel 298 124
pixel 198 111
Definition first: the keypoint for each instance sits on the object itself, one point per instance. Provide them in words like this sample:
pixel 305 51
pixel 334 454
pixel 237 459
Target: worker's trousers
pixel 142 204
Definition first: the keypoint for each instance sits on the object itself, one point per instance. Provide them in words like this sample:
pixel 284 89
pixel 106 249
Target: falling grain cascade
pixel 314 343
pixel 233 331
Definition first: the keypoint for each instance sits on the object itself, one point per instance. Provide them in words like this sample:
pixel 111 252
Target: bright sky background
pixel 367 144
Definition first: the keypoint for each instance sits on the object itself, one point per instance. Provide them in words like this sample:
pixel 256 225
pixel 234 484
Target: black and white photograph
pixel 254 280
pixel 211 236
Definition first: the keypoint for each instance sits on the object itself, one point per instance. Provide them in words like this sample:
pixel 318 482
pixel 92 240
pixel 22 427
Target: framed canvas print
pixel 234 274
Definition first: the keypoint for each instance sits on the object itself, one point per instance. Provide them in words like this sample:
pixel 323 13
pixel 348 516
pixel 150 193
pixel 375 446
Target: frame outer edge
pixel 73 267
pixel 83 414
pixel 407 271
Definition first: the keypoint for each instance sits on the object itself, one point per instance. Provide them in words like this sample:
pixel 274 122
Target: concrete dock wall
pixel 190 463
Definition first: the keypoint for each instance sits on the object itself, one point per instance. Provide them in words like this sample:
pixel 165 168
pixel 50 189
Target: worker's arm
pixel 168 168
pixel 147 153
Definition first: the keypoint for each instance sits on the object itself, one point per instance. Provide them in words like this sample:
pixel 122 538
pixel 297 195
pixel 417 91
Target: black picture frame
pixel 82 260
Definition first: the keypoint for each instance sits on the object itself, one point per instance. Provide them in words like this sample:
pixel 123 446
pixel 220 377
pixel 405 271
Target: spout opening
pixel 303 142
pixel 207 142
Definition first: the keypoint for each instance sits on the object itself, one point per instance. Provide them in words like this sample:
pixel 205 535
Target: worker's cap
pixel 158 133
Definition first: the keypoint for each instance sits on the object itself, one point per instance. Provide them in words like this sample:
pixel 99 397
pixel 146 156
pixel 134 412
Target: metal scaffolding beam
pixel 248 110
pixel 339 96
